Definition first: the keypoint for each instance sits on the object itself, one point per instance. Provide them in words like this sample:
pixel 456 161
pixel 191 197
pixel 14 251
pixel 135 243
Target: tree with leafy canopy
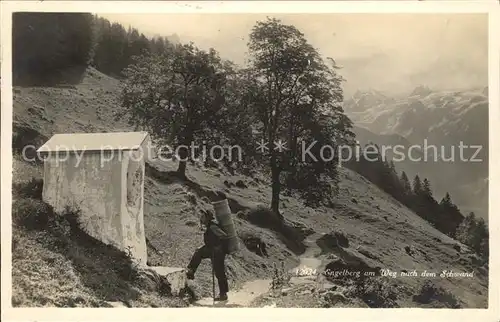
pixel 233 124
pixel 405 182
pixel 479 235
pixel 473 232
pixel 297 98
pixel 47 45
pixel 449 216
pixel 110 48
pixel 417 185
pixel 446 201
pixel 175 95
pixel 466 229
pixel 426 188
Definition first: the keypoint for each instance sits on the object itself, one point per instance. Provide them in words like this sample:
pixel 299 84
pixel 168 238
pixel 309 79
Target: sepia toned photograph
pixel 249 160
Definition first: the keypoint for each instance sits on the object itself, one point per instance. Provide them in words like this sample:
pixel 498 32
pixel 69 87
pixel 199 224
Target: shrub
pixel 70 217
pixel 23 136
pixel 342 239
pixel 333 240
pixel 241 214
pixel 281 278
pixel 263 217
pixel 31 213
pixel 255 245
pixel 30 189
pixel 317 194
pixel 240 184
pixel 377 293
pixel 191 197
pixel 430 293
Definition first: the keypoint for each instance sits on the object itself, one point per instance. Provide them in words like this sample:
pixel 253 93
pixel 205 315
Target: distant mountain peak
pixel 444 118
pixel 174 39
pixel 369 92
pixel 421 90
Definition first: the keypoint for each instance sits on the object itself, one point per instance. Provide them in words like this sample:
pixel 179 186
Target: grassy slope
pixel 54 270
pixel 370 218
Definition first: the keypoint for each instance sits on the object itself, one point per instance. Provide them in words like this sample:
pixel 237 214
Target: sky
pixel 387 52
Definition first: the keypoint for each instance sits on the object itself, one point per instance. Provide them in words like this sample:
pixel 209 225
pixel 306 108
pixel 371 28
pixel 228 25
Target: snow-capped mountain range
pixel 437 123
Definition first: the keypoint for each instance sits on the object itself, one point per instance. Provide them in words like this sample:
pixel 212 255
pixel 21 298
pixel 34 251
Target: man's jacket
pixel 214 236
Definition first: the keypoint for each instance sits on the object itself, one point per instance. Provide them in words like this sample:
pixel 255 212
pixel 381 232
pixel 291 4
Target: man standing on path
pixel 215 248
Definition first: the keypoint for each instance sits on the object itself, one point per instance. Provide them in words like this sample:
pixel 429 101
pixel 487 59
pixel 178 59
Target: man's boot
pixel 222 297
pixel 189 274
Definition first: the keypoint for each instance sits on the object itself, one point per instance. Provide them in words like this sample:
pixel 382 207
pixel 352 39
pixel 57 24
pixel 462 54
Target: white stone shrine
pixel 102 176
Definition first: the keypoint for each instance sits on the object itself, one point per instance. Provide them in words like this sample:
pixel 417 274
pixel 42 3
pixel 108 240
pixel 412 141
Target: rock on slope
pixel 369 218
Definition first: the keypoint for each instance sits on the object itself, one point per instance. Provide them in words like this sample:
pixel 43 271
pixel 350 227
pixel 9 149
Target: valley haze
pixel 442 51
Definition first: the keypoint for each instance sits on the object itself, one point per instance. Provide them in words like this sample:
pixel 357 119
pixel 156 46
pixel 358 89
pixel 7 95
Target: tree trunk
pixel 181 169
pixel 276 188
pixel 184 155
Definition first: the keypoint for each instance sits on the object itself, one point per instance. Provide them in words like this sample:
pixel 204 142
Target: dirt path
pixel 251 290
pixel 240 298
